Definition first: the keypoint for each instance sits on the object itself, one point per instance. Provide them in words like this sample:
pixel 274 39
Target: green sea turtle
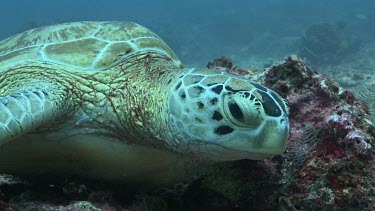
pixel 111 100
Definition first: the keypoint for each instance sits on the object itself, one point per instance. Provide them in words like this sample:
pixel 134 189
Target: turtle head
pixel 225 117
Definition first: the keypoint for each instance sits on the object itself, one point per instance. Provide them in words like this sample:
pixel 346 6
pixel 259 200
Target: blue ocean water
pixel 250 32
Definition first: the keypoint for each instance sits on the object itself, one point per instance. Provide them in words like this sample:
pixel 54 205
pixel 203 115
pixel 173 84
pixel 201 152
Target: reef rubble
pixel 329 163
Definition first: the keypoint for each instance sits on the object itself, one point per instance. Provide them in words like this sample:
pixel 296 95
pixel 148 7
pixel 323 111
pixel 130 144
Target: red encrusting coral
pixel 338 172
pixel 346 132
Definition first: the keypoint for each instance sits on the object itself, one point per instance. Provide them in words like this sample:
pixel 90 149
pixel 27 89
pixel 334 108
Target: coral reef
pixel 329 163
pixel 336 176
pixel 225 64
pixel 335 134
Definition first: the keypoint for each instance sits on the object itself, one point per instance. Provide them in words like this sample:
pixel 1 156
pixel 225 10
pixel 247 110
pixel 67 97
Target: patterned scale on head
pixel 108 99
pixel 225 117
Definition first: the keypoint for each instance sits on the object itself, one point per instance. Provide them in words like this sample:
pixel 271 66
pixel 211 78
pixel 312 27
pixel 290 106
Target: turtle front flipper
pixel 33 107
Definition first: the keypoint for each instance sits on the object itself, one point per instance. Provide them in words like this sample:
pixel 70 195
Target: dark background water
pixel 251 32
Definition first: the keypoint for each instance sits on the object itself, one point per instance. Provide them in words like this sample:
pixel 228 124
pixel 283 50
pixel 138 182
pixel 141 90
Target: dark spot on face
pixel 270 106
pixel 224 129
pixel 217 89
pixel 217 116
pixel 183 95
pixel 228 88
pixel 246 94
pixel 213 101
pixel 181 76
pixel 199 88
pixel 279 101
pixel 170 80
pixel 178 86
pixel 257 102
pixel 200 105
pixel 235 110
pixel 260 87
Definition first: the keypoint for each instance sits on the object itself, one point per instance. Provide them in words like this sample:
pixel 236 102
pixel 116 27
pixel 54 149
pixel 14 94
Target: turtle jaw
pixel 270 140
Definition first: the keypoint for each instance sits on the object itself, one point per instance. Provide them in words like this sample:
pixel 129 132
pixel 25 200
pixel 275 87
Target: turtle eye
pixel 235 110
pixel 240 111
